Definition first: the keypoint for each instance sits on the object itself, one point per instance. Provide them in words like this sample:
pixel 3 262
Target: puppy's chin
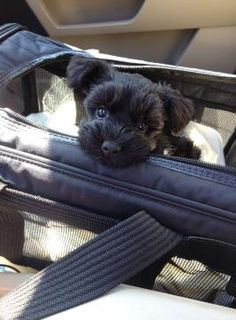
pixel 134 147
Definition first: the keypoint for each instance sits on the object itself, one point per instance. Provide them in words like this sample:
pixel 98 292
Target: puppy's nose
pixel 110 148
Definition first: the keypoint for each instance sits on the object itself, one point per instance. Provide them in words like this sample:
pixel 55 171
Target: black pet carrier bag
pixel 166 224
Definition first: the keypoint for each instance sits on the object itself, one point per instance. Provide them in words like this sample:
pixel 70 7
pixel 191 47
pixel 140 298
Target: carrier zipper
pixel 155 159
pixel 9 29
pixel 199 72
pixel 160 159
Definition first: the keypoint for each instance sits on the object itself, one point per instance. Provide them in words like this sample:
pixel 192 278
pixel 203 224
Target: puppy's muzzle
pixel 112 143
pixel 110 148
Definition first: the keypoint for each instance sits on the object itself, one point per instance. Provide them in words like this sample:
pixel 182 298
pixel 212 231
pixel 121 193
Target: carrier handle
pixel 20 52
pixel 90 271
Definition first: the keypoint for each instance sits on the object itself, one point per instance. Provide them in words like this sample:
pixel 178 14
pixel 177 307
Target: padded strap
pixel 92 270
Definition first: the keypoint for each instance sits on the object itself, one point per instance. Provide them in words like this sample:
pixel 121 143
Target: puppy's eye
pixel 101 112
pixel 142 126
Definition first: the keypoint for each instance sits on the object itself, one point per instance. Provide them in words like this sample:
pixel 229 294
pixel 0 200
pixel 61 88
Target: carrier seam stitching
pixel 115 188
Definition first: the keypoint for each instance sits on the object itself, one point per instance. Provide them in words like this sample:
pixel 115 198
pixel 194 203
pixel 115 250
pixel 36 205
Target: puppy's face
pixel 125 115
pixel 122 124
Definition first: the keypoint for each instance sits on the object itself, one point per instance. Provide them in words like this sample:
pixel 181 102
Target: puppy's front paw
pixel 184 148
pixel 196 153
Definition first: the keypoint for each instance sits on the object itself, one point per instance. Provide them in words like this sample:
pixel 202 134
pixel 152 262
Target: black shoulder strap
pixel 92 270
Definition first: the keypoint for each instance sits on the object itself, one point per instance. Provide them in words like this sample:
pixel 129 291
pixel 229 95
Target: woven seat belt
pixel 90 271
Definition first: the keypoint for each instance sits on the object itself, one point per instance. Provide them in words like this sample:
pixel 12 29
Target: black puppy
pixel 127 115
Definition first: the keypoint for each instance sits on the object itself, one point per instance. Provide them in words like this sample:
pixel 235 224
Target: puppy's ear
pixel 83 72
pixel 179 110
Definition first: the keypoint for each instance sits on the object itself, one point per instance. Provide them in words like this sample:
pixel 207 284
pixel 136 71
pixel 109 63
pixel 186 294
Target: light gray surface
pixel 130 303
pixel 156 46
pixel 153 15
pixel 90 11
pixel 213 49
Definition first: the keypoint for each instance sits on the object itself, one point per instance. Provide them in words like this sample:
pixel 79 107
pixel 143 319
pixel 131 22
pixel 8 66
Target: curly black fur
pixel 141 116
